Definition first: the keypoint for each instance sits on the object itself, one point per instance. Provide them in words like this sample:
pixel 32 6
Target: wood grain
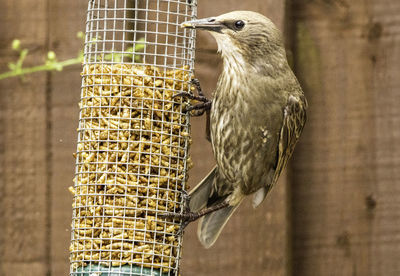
pixel 23 141
pixel 66 18
pixel 344 179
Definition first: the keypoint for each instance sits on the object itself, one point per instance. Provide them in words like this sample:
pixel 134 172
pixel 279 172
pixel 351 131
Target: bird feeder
pixel 133 138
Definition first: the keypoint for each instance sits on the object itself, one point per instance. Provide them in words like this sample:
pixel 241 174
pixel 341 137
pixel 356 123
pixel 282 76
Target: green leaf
pixel 140 45
pixel 12 66
pixel 16 44
pixel 51 56
pixel 58 67
pixel 80 35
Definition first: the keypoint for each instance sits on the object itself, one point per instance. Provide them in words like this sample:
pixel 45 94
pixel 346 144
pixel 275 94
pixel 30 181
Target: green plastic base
pixel 126 270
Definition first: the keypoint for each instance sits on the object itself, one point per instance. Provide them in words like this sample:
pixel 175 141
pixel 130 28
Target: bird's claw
pixel 186 217
pixel 197 109
pixel 196 84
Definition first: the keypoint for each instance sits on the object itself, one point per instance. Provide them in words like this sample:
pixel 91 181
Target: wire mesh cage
pixel 133 138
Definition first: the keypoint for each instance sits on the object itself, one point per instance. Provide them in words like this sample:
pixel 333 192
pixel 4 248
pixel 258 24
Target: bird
pixel 257 115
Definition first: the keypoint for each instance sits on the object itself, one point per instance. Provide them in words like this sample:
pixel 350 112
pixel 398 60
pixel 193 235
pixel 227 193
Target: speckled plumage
pixel 257 115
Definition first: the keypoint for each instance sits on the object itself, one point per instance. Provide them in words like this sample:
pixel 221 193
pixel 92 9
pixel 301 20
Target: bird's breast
pixel 244 128
pixel 224 127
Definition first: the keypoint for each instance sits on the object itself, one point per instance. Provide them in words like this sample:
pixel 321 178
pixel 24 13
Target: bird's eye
pixel 239 24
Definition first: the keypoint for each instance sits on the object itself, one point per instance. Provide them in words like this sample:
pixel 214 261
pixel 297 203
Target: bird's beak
pixel 209 24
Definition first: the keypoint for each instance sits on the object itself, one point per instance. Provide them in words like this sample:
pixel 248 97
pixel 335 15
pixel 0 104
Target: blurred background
pixel 336 209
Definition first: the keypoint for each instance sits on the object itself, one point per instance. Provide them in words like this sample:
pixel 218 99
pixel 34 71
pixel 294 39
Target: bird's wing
pixel 294 118
pixel 200 194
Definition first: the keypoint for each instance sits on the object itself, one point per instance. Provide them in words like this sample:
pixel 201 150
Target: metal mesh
pixel 133 138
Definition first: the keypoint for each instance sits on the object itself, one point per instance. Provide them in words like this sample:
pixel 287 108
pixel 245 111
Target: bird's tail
pixel 200 194
pixel 211 225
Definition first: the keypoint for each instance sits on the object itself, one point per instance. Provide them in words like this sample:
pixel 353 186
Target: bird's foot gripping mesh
pixel 133 138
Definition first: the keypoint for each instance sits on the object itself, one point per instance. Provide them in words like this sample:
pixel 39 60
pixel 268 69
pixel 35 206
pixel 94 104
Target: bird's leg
pixel 200 108
pixel 186 209
pixel 187 216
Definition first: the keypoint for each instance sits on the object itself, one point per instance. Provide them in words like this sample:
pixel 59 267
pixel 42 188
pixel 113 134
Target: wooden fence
pixel 336 210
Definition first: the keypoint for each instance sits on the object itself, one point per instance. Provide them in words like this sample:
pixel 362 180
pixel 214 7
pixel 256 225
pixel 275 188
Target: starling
pixel 257 115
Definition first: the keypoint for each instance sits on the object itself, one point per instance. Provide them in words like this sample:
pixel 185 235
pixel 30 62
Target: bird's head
pixel 243 36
